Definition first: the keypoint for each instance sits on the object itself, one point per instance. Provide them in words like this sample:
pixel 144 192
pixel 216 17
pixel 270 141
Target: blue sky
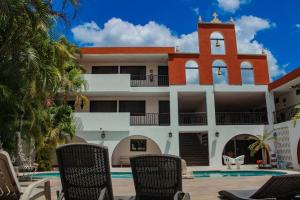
pixel 270 24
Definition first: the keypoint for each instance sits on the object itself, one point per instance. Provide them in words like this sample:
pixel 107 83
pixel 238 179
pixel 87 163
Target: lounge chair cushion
pixel 236 194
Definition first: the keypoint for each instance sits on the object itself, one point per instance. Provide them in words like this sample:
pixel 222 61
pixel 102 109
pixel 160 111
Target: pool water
pixel 196 174
pixel 210 174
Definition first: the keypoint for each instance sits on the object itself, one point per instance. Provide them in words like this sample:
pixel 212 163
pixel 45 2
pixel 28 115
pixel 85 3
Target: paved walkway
pixel 200 189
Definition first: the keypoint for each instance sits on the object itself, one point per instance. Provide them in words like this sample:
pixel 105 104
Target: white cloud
pixel 297 25
pixel 231 5
pixel 246 29
pixel 117 32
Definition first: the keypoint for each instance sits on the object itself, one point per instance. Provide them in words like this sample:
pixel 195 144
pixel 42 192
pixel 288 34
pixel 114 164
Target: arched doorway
pixel 238 146
pixel 132 146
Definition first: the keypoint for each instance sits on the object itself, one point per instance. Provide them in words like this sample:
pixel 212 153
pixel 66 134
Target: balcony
pixel 241 118
pixel 86 121
pixel 149 81
pixel 192 119
pixel 107 82
pixel 150 119
pixel 285 114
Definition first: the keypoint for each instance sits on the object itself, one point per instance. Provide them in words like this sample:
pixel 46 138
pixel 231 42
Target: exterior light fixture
pixel 102 133
pixel 217 134
pixel 219 71
pixel 275 135
pixel 170 134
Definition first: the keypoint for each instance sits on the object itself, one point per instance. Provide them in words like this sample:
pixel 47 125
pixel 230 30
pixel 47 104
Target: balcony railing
pixel 241 118
pixel 149 80
pixel 192 119
pixel 150 119
pixel 285 114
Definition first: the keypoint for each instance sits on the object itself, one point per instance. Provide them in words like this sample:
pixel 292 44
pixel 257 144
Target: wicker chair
pixel 10 188
pixel 284 187
pixel 156 177
pixel 85 172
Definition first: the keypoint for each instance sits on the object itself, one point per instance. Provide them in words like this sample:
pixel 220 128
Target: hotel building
pixel 199 106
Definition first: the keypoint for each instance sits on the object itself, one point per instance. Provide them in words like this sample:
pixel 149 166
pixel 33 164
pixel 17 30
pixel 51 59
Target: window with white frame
pixel 217 44
pixel 220 72
pixel 191 72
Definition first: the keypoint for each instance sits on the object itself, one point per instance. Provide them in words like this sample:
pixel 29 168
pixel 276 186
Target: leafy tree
pixel 261 143
pixel 35 67
pixel 296 117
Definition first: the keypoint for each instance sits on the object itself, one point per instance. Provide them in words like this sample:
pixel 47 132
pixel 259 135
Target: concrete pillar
pixel 174 125
pixel 270 107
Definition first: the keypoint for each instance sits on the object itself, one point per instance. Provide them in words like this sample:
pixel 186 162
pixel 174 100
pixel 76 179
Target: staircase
pixel 194 149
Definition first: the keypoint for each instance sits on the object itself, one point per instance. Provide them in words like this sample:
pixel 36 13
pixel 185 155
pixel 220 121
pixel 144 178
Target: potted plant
pixel 261 143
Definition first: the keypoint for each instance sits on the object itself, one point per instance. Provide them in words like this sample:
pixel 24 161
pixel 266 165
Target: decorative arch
pixel 238 145
pixel 247 73
pixel 220 72
pixel 191 72
pixel 217 44
pixel 123 150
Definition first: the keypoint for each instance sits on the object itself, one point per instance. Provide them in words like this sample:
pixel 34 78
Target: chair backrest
pixel 240 159
pixel 84 171
pixel 156 176
pixel 279 187
pixel 9 184
pixel 228 160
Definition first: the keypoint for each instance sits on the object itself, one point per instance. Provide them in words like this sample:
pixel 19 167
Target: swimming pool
pixel 196 174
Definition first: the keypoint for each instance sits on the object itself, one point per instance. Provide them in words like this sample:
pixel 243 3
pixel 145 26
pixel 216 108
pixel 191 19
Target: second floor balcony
pixel 150 119
pixel 241 118
pixel 193 119
pixel 149 80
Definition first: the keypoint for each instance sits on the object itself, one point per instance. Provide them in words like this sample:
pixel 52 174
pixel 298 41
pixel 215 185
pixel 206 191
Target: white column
pixel 210 108
pixel 270 107
pixel 173 107
pixel 214 141
pixel 174 126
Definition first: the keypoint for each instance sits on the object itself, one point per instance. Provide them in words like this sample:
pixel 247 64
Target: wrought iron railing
pixel 192 119
pixel 149 80
pixel 241 118
pixel 150 119
pixel 285 114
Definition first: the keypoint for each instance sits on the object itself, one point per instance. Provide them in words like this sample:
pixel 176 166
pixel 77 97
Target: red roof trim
pixel 285 79
pixel 127 50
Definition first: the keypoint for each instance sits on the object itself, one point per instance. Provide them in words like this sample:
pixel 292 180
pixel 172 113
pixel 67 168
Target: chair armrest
pixel 60 195
pixel 103 194
pixel 186 196
pixel 46 191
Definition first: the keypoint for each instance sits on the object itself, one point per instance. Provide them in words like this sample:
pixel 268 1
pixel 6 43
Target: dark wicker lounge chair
pixel 278 187
pixel 85 172
pixel 156 177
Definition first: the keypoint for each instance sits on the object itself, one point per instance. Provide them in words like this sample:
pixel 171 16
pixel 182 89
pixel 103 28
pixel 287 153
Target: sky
pixel 270 24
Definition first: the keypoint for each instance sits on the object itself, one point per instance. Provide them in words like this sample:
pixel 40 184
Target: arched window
pixel 191 72
pixel 247 73
pixel 217 44
pixel 220 72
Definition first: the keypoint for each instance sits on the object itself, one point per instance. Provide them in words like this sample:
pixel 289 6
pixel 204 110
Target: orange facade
pixel 205 58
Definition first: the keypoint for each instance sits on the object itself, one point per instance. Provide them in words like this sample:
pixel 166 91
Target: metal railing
pixel 285 114
pixel 241 118
pixel 150 119
pixel 149 80
pixel 192 119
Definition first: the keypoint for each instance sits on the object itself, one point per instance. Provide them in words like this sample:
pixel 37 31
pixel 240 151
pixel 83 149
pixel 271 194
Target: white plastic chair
pixel 228 161
pixel 239 161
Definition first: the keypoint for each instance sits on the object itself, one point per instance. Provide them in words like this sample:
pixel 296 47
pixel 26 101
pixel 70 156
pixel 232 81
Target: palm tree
pixel 261 143
pixel 296 117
